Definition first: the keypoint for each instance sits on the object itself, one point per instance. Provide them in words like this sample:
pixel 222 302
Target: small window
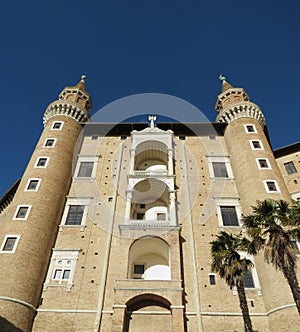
pixel 263 163
pixel 271 186
pixel 22 212
pixel 142 206
pixel 140 216
pixel 138 271
pixel 161 216
pixel 250 128
pixel 229 216
pixel 9 244
pixel 33 185
pixel 123 137
pixel 42 162
pixel 212 138
pixel 248 279
pixel 49 143
pixel 57 125
pixel 61 274
pixel 220 170
pixel 75 215
pixel 256 145
pixel 212 279
pixel 110 199
pixel 94 138
pixel 86 169
pixel 182 137
pixel 290 167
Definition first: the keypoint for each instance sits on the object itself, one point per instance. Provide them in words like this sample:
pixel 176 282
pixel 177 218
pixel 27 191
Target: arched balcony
pixel 149 259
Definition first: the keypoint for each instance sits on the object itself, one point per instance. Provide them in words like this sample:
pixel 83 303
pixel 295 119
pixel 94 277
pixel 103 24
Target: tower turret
pixel 30 222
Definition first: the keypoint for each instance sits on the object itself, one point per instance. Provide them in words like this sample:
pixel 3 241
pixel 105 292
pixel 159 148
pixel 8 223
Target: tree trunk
pixel 291 277
pixel 244 306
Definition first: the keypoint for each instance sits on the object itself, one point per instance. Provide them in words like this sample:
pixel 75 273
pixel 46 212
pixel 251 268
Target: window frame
pixel 61 125
pixel 220 159
pixel 294 169
pixel 267 161
pixel 253 126
pixel 6 237
pixel 63 255
pixel 39 180
pixel 228 202
pixel 277 191
pixel 17 211
pixel 260 143
pixel 48 146
pixel 138 275
pixel 38 159
pixel 86 158
pixel 71 201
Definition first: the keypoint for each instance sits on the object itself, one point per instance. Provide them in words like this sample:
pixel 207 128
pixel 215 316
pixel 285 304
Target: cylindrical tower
pixel 29 224
pixel 256 173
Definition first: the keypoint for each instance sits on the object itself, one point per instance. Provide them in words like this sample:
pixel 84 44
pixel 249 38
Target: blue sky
pixel 131 47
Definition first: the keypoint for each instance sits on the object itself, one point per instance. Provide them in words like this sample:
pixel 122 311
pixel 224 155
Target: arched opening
pixel 149 259
pixel 149 312
pixel 150 200
pixel 152 157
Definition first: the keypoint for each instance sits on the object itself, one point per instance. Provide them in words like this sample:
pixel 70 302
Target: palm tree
pixel 228 263
pixel 274 226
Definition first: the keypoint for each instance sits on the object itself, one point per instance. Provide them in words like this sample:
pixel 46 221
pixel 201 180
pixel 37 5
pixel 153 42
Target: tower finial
pixel 152 119
pixel 83 78
pixel 222 78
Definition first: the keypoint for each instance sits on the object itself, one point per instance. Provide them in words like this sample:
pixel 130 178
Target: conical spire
pixel 225 84
pixel 81 84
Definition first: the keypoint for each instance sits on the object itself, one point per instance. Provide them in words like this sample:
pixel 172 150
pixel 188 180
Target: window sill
pixel 67 286
pixel 90 179
pixel 82 227
pixel 258 290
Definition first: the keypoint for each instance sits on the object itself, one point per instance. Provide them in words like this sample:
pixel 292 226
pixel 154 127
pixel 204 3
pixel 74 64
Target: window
pixel 123 137
pixel 22 212
pixel 219 167
pixel 263 163
pixel 9 244
pixel 42 162
pixel 86 166
pixel 290 167
pixel 75 215
pixel 212 279
pixel 220 170
pixel 138 270
pixel 94 138
pixel 85 169
pixel 161 216
pixel 229 216
pixel 110 199
pixel 212 138
pixel 49 143
pixel 248 279
pixel 256 145
pixel 140 216
pixel 142 206
pixel 33 185
pixel 61 269
pixel 57 125
pixel 182 138
pixel 271 186
pixel 249 128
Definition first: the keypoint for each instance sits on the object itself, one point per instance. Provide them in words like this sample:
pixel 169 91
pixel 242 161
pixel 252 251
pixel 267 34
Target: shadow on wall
pixel 6 326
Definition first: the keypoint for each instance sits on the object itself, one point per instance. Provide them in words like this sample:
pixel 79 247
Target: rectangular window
pixel 250 128
pixel 142 206
pixel 256 145
pixel 75 215
pixel 94 138
pixel 212 279
pixel 42 162
pixel 182 138
pixel 161 216
pixel 33 185
pixel 248 279
pixel 57 125
pixel 49 143
pixel 138 269
pixel 9 244
pixel 140 216
pixel 86 169
pixel 271 186
pixel 22 212
pixel 220 170
pixel 66 274
pixel 229 216
pixel 290 167
pixel 123 137
pixel 263 163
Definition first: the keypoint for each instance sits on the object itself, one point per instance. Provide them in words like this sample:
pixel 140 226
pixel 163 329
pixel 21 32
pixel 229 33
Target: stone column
pixel 170 162
pixel 132 157
pixel 128 205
